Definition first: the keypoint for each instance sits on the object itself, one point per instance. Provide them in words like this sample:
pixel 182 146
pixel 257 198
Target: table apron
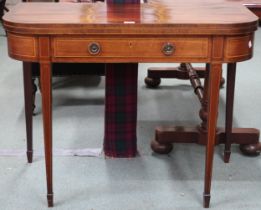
pixel 198 49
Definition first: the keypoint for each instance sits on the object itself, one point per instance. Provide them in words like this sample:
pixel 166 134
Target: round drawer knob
pixel 168 49
pixel 94 48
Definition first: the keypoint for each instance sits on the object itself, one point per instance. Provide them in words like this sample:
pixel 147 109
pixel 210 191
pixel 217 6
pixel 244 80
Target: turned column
pixel 203 112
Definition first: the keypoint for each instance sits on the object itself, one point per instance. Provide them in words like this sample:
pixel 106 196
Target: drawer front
pixel 137 48
pixel 239 48
pixel 23 48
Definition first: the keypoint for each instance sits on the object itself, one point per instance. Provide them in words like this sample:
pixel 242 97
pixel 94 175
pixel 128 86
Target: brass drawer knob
pixel 94 48
pixel 168 49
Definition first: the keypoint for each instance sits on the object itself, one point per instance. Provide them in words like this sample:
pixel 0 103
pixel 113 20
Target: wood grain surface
pixel 168 17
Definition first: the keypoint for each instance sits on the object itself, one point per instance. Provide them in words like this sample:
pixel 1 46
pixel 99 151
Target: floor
pixel 85 179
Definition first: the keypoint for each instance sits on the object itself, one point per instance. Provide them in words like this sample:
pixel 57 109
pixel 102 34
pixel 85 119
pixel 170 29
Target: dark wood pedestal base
pixel 248 138
pixel 155 74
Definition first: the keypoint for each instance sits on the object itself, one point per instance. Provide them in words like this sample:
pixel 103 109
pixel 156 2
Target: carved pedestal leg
pixel 28 98
pixel 184 71
pixel 203 113
pixel 163 143
pixel 213 98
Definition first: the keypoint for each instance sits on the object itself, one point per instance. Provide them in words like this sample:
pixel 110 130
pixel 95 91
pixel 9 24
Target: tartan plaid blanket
pixel 121 110
pixel 121 106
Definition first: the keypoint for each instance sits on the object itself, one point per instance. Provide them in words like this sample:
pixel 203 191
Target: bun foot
pixel 161 148
pixel 250 149
pixel 29 156
pixel 206 200
pixel 152 82
pixel 50 200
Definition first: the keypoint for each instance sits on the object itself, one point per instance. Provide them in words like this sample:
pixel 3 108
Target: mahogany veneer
pixel 223 33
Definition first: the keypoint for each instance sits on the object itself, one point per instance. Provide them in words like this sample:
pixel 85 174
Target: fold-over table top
pixel 155 17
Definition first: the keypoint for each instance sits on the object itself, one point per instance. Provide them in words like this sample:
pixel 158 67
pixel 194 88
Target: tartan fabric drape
pixel 121 105
pixel 121 110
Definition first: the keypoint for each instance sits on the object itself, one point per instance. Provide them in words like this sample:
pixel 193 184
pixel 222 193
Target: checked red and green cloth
pixel 121 110
pixel 120 138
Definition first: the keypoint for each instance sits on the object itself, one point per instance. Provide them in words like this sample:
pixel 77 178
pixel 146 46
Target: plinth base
pixel 247 138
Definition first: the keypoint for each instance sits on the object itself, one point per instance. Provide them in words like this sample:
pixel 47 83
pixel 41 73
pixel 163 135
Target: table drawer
pixel 24 48
pixel 238 48
pixel 141 48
